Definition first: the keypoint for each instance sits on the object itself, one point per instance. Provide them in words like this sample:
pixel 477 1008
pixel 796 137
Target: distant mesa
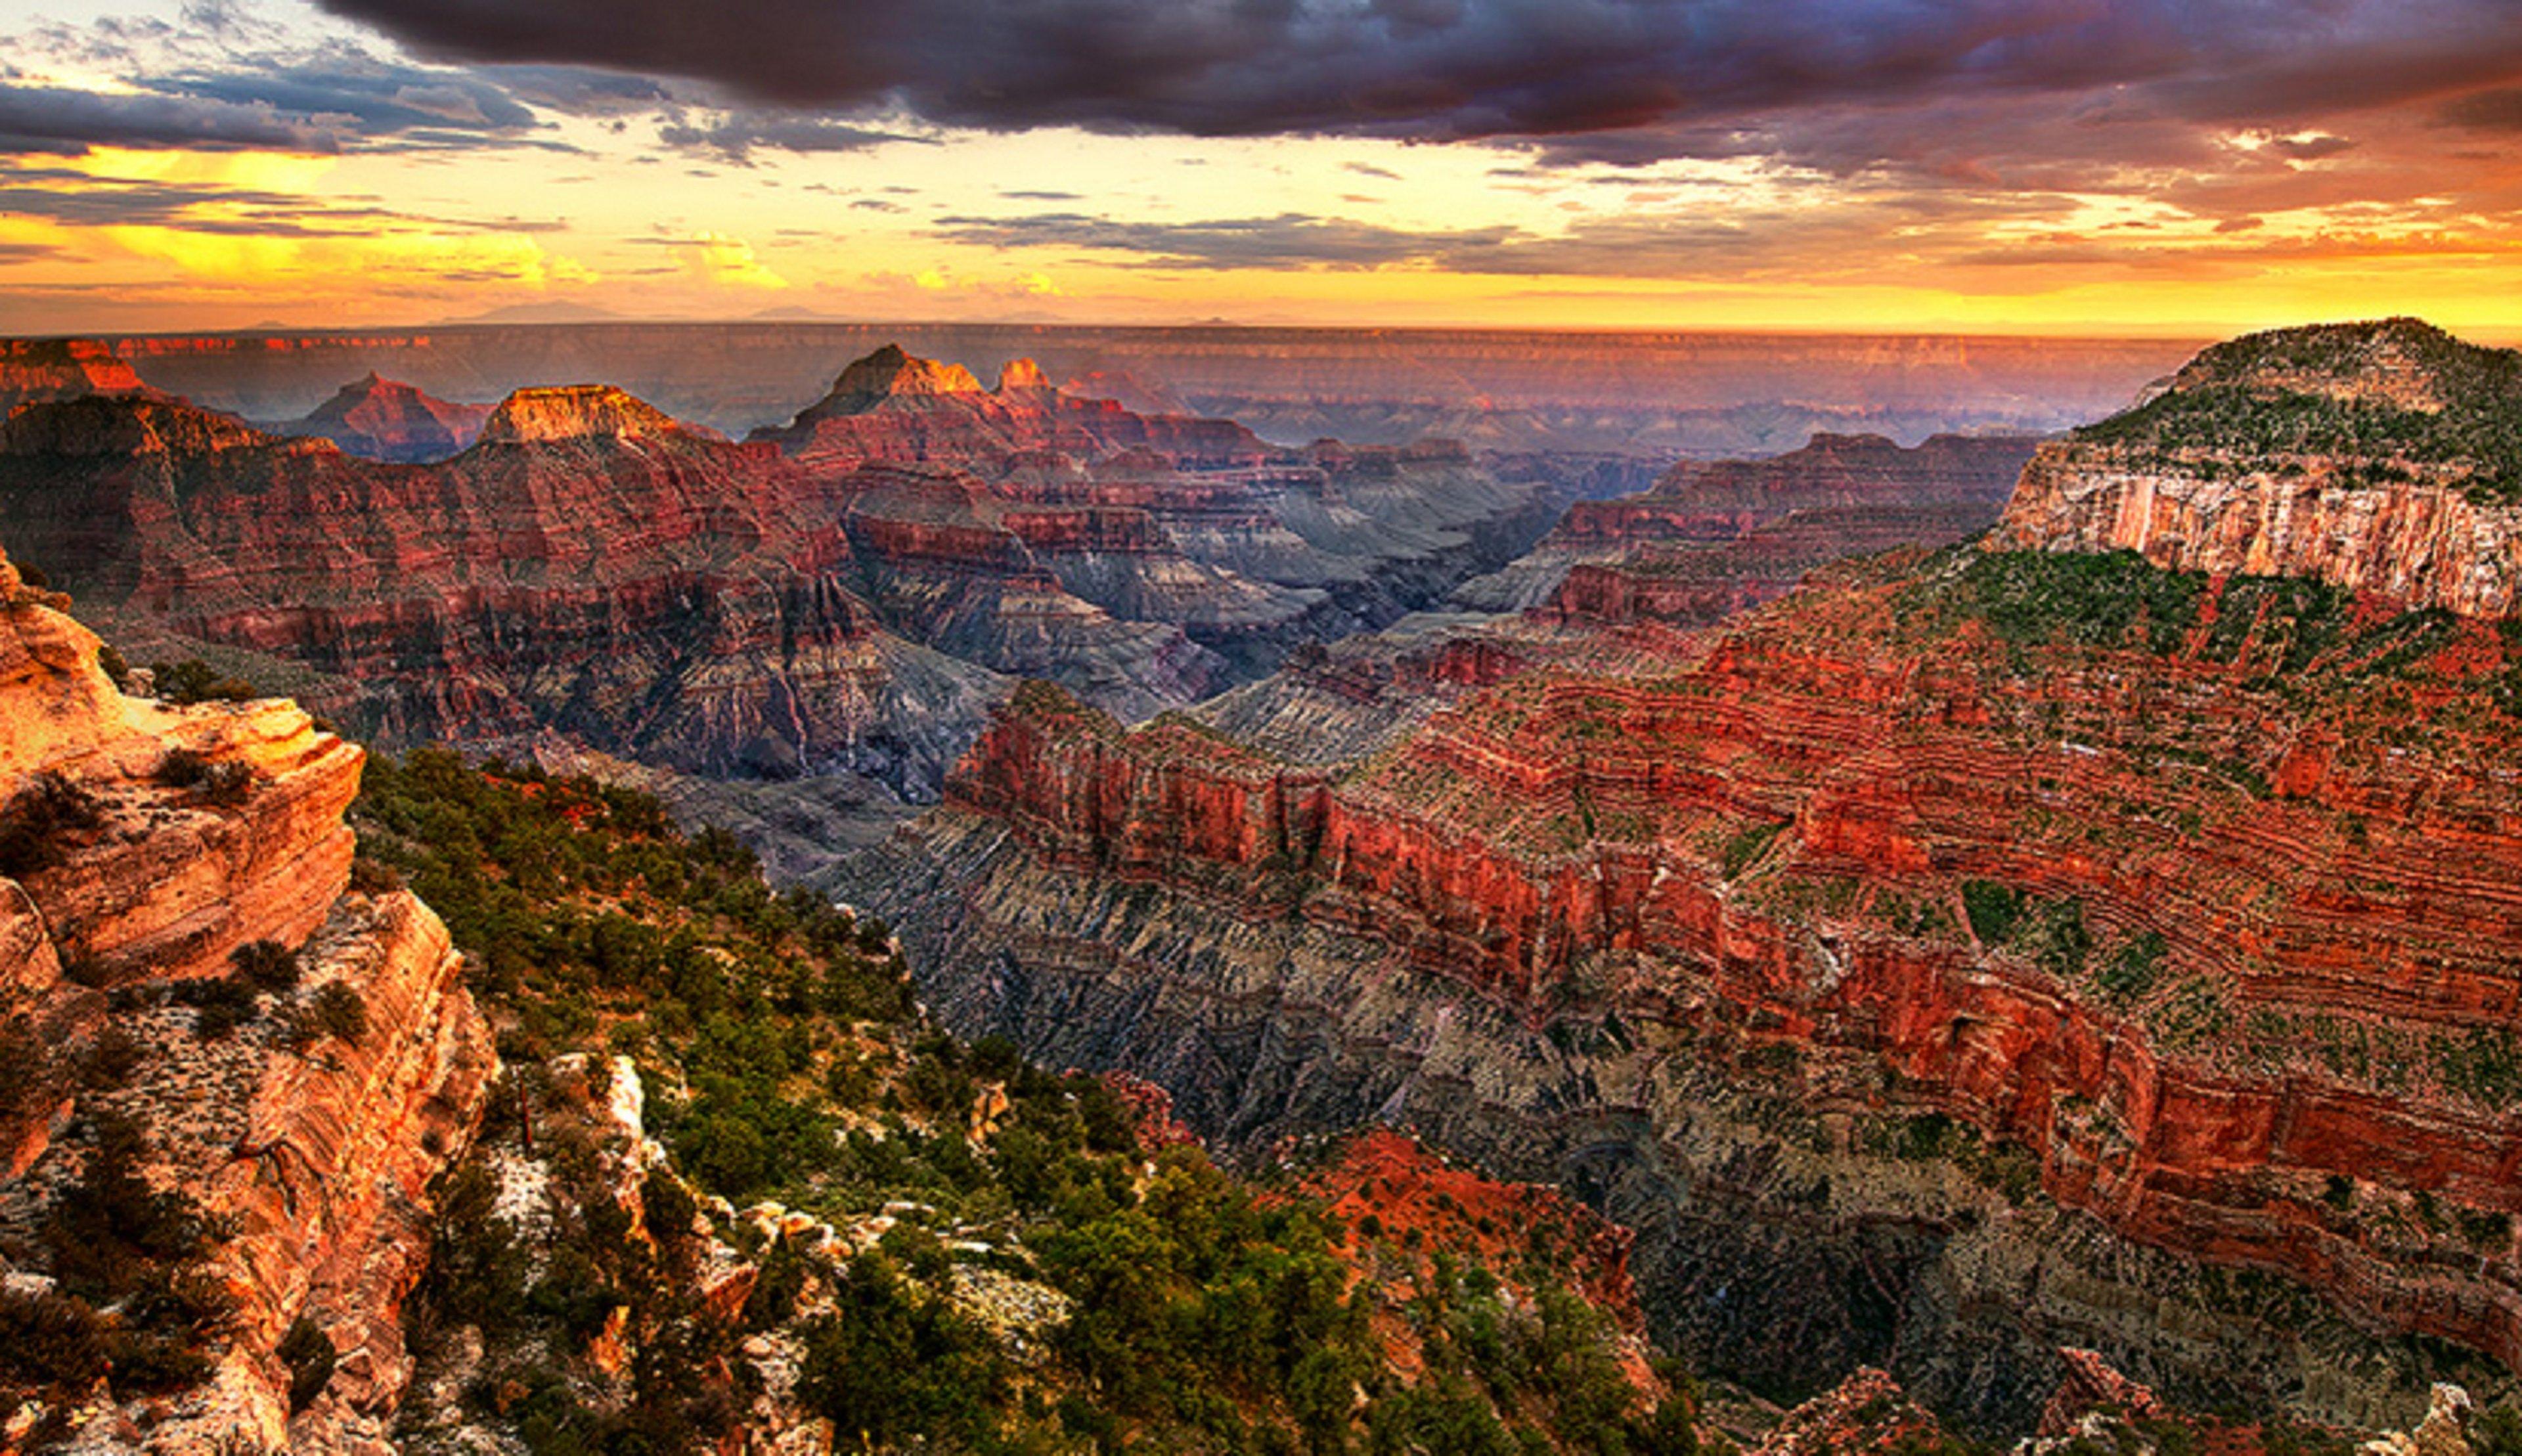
pixel 385 419
pixel 1022 374
pixel 576 411
pixel 894 405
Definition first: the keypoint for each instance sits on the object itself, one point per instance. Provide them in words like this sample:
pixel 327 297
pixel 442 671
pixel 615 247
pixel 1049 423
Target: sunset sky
pixel 2087 166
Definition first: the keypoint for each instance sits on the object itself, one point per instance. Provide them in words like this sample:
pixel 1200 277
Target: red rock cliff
pixel 2216 921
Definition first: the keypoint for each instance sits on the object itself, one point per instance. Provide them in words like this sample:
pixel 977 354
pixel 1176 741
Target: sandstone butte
pixel 2174 911
pixel 384 419
pixel 891 407
pixel 2382 457
pixel 314 1164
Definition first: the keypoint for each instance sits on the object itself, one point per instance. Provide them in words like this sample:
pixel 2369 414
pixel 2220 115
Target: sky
pixel 2112 167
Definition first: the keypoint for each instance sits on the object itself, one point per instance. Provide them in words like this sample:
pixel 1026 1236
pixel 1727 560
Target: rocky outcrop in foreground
pixel 231 1075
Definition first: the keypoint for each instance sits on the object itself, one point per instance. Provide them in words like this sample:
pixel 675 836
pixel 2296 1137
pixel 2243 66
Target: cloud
pixel 722 260
pixel 60 122
pixel 79 200
pixel 1287 240
pixel 228 81
pixel 2498 110
pixel 734 135
pixel 1466 68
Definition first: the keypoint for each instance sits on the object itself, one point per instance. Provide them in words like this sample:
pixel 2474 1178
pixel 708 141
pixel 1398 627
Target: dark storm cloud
pixel 2487 111
pixel 1463 69
pixel 1287 240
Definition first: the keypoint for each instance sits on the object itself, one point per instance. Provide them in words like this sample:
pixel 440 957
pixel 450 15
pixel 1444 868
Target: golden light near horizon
pixel 234 164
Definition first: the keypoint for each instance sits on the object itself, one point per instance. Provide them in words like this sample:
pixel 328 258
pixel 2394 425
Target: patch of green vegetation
pixel 2093 599
pixel 2132 969
pixel 193 681
pixel 1743 850
pixel 1994 909
pixel 2483 1063
pixel 132 1299
pixel 2292 618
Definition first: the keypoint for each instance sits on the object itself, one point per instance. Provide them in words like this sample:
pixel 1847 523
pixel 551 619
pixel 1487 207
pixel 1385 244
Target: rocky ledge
pixel 231 1074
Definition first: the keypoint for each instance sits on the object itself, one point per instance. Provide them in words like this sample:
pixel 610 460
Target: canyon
pixel 840 598
pixel 2068 938
pixel 1976 951
pixel 1713 537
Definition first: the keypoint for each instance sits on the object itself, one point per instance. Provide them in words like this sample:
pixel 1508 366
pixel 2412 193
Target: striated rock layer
pixel 591 567
pixel 1975 954
pixel 585 566
pixel 312 1162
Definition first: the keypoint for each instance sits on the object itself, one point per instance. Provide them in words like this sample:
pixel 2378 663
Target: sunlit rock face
pixel 192 832
pixel 38 369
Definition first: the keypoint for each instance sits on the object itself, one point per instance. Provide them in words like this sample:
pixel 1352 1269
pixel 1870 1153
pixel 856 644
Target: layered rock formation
pixel 2382 457
pixel 149 844
pixel 33 370
pixel 1974 954
pixel 590 566
pixel 585 566
pixel 1712 538
pixel 381 419
pixel 891 407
